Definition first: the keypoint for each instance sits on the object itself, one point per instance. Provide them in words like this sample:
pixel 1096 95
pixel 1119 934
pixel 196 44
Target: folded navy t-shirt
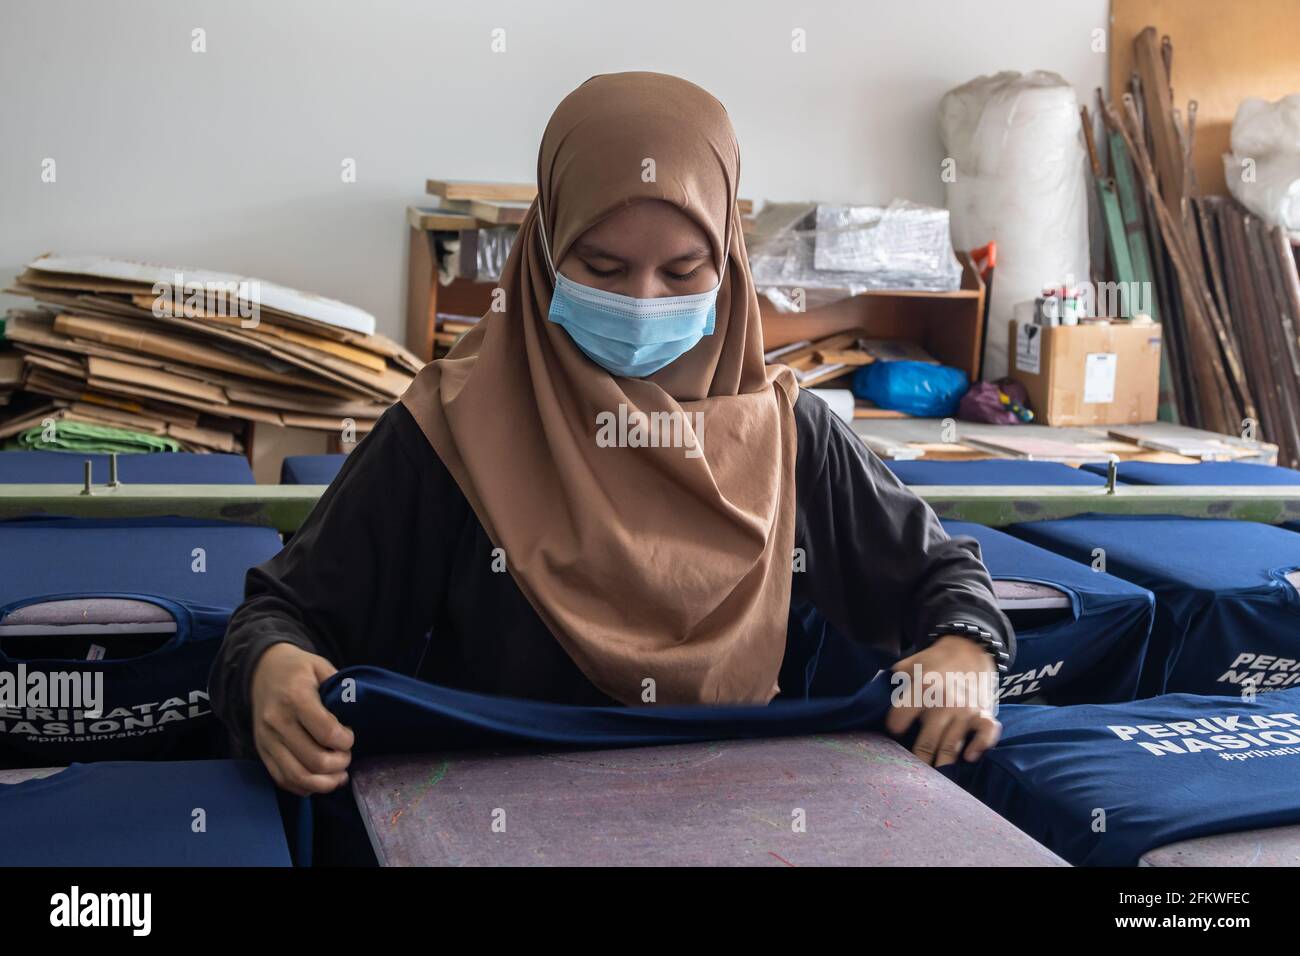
pixel 1226 614
pixel 999 471
pixel 154 695
pixel 310 469
pixel 1211 473
pixel 1103 784
pixel 156 468
pixel 180 813
pixel 392 713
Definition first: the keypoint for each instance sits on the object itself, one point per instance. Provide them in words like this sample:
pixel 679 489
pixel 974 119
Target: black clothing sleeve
pixel 358 582
pixel 878 564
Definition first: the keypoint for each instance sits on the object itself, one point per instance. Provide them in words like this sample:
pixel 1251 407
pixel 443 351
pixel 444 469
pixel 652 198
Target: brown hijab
pixel 644 562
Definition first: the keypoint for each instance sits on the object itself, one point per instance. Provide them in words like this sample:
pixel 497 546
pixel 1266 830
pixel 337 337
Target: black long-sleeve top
pixel 392 568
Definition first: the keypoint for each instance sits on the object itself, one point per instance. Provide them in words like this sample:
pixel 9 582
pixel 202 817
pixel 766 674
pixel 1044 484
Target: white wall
pixel 230 159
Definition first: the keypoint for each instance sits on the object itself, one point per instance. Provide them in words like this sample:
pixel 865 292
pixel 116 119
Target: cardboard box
pixel 1088 374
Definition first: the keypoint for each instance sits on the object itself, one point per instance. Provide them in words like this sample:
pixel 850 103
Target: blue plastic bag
pixel 917 388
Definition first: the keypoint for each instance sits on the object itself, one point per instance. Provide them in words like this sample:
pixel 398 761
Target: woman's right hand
pixel 305 748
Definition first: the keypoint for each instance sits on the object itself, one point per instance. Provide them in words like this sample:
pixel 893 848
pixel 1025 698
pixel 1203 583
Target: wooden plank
pixel 1121 170
pixel 486 214
pixel 1272 317
pixel 1194 442
pixel 1166 153
pixel 1273 276
pixel 1211 381
pixel 807 363
pixel 865 409
pixel 1219 387
pixel 866 802
pixel 499 213
pixel 842 357
pixel 1227 237
pixel 468 190
pixel 1185 397
pixel 421 293
pixel 1226 52
pixel 1033 448
pixel 1118 244
pixel 428 219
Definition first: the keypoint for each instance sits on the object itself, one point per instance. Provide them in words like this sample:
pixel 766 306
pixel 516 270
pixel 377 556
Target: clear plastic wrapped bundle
pixel 493 250
pixel 1263 169
pixel 832 251
pixel 489 248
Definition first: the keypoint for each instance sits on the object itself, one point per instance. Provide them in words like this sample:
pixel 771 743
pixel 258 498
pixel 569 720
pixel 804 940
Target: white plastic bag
pixel 1263 169
pixel 1021 179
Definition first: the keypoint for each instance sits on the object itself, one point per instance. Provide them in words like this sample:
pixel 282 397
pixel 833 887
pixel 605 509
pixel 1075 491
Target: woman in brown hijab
pixel 603 495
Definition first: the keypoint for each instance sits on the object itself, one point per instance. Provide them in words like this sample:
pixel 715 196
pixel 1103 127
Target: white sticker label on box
pixel 1029 347
pixel 1099 378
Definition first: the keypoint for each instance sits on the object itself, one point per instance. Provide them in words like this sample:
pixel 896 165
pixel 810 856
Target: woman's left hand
pixel 945 728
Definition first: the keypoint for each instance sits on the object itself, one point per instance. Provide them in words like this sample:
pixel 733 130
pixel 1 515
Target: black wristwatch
pixel 996 647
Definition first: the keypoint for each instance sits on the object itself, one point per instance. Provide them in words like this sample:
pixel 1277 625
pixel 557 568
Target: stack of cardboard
pixel 193 355
pixel 11 373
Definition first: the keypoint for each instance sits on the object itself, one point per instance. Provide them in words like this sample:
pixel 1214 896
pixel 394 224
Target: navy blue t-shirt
pixel 310 469
pixel 154 686
pixel 1103 784
pixel 1202 473
pixel 184 813
pixel 158 468
pixel 1090 652
pixel 993 471
pixel 393 713
pixel 1226 615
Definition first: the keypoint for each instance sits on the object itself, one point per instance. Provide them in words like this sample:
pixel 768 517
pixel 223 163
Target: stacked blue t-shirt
pixel 310 469
pixel 1226 615
pixel 160 468
pixel 1090 653
pixel 1200 473
pixel 1103 784
pixel 154 690
pixel 184 813
pixel 992 471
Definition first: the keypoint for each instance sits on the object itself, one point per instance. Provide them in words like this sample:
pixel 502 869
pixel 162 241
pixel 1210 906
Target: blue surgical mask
pixel 627 336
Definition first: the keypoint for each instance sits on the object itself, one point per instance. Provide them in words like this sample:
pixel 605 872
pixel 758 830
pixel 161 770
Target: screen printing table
pixel 22 775
pixel 865 800
pixel 1278 846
